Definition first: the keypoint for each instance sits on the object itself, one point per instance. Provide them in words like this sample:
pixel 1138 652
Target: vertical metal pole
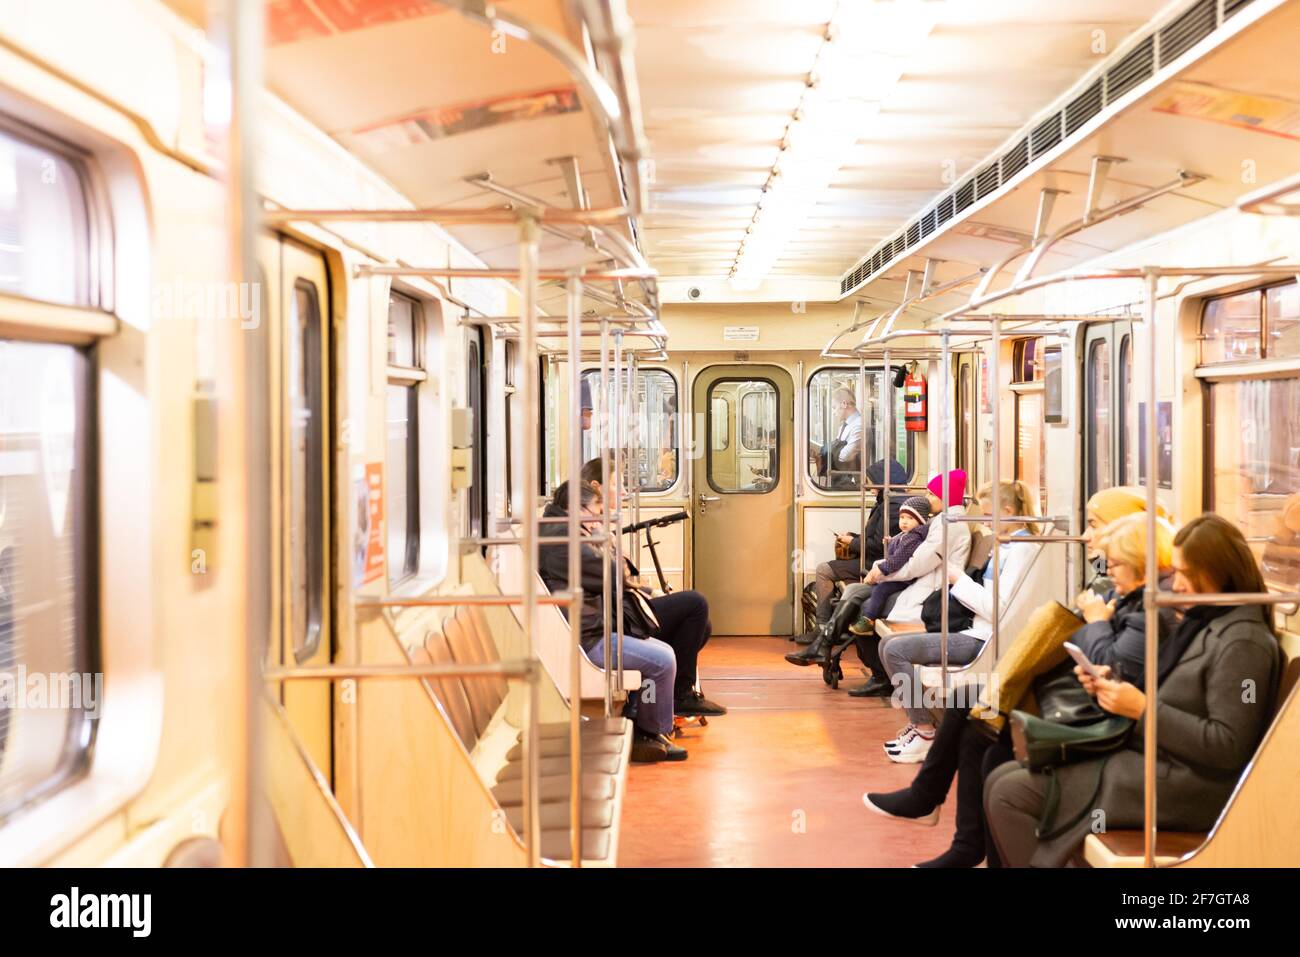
pixel 943 470
pixel 575 571
pixel 686 440
pixel 1152 585
pixel 635 449
pixel 862 472
pixel 995 403
pixel 891 445
pixel 249 834
pixel 528 349
pixel 617 447
pixel 603 440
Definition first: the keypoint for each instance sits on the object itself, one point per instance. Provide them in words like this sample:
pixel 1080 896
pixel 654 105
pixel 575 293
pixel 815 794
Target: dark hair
pixel 587 493
pixel 1217 554
pixel 591 470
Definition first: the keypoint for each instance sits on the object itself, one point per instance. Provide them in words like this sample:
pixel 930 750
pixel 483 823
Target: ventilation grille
pixel 1015 160
pixel 965 195
pixel 1045 135
pixel 1188 30
pixel 1138 65
pixel 987 181
pixel 1128 72
pixel 1083 108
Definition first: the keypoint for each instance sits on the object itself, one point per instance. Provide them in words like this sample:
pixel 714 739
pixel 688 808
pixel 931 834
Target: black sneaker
pixel 956 856
pixel 902 805
pixel 695 705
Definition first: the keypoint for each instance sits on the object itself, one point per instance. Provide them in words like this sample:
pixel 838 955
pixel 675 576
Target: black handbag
pixel 1071 728
pixel 959 616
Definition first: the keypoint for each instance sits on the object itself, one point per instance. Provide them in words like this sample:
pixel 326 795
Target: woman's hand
pixel 844 538
pixel 953 575
pixel 1121 698
pixel 1094 608
pixel 873 576
pixel 1088 681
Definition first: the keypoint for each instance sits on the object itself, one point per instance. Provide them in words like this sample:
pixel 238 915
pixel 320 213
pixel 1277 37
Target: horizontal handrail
pixel 1166 599
pixel 507 669
pixel 1065 539
pixel 441 601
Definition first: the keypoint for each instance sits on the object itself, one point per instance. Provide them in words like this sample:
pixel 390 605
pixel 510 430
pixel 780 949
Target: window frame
pixel 813 481
pixel 594 371
pixel 410 378
pixel 70 803
pixel 1265 328
pixel 708 459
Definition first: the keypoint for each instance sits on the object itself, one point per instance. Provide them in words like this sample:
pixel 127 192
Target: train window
pixel 1028 387
pixel 836 421
pixel 510 351
pixel 1127 415
pixel 751 463
pixel 44 226
pixel 306 465
pixel 1255 478
pixel 46 581
pixel 402 431
pixel 475 402
pixel 1282 309
pixel 720 423
pixel 1232 327
pixel 653 439
pixel 1099 392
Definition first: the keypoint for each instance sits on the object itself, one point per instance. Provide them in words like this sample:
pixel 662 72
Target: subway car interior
pixel 650 433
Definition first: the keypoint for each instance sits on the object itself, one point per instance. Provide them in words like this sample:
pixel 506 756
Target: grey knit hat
pixel 919 506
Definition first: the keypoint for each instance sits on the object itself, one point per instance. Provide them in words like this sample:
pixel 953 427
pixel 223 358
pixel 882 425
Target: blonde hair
pixel 1125 540
pixel 1023 500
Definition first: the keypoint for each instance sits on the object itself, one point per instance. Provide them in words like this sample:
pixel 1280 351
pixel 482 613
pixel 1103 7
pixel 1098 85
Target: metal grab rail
pixel 522 668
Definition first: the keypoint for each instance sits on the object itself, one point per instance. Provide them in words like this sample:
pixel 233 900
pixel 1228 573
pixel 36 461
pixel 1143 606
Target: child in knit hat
pixel 912 519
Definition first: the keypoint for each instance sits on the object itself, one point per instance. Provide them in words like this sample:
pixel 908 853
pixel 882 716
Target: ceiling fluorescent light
pixel 857 66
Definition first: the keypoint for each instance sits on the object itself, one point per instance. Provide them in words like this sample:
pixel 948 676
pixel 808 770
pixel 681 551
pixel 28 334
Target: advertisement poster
pixel 368 535
pixel 1164 442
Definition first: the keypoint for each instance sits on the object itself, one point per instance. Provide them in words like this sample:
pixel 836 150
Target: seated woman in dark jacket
pixel 1114 636
pixel 1207 728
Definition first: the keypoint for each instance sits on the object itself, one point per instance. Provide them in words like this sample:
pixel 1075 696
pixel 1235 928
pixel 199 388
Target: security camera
pixel 694 292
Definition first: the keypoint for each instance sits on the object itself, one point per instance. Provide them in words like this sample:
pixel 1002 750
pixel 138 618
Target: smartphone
pixel 1081 659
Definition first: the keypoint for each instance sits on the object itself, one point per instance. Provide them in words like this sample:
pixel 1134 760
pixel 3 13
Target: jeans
pixel 684 624
pixel 902 653
pixel 658 666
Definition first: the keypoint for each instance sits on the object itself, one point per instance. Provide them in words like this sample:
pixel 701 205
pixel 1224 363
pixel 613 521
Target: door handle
pixel 709 498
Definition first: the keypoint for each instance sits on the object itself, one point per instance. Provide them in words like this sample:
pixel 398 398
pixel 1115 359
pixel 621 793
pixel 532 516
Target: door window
pixel 749 465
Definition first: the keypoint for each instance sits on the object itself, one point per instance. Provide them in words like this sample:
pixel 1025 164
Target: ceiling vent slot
pixel 943 211
pixel 1186 31
pixel 1232 6
pixel 1015 159
pixel 1083 107
pixel 1137 65
pixel 913 234
pixel 844 286
pixel 1045 135
pixel 987 181
pixel 899 246
pixel 965 195
pixel 927 223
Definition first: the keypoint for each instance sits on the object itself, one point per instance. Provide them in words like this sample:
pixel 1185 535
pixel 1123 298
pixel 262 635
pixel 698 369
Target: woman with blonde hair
pixel 1115 633
pixel 901 653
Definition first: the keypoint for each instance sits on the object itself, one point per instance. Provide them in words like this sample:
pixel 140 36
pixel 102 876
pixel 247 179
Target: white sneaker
pixel 914 751
pixel 905 734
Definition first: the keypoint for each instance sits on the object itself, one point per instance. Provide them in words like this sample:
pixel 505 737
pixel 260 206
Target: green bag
pixel 1043 746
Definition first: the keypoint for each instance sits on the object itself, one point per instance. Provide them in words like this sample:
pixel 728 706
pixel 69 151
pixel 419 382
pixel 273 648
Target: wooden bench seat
pixel 1128 848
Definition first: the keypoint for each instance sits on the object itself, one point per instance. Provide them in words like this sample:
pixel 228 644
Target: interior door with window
pixel 744 499
pixel 302 461
pixel 1109 412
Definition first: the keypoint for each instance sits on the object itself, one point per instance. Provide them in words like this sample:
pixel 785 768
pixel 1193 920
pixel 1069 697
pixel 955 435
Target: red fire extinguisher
pixel 914 402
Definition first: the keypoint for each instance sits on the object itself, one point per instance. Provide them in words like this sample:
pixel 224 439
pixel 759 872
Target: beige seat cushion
pixel 559 764
pixel 555 787
pixel 595 813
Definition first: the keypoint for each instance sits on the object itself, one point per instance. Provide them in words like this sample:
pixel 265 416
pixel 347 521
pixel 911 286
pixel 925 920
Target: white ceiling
pixel 721 80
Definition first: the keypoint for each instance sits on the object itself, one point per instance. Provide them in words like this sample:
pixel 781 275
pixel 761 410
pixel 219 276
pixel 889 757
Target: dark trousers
pixel 874 606
pixel 683 624
pixel 962 749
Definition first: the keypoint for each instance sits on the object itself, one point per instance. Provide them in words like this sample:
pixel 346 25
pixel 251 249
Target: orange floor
pixel 778 781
